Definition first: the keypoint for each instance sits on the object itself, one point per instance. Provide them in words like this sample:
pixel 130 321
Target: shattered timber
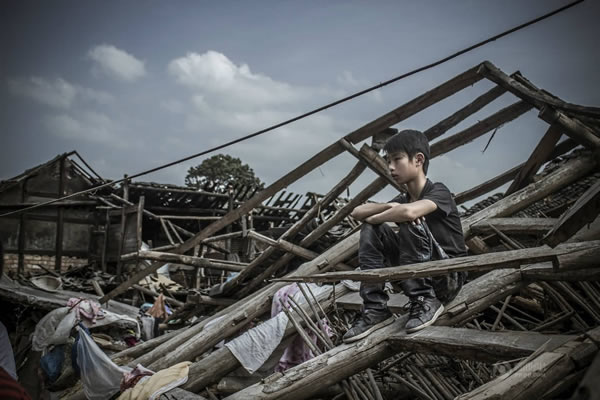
pixel 526 324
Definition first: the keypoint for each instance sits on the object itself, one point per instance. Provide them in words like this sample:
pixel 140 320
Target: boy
pixel 407 154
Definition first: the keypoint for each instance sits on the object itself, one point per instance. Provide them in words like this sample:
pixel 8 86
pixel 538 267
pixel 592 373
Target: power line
pixel 315 111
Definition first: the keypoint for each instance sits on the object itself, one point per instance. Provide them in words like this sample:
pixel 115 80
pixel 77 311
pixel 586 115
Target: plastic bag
pixel 101 377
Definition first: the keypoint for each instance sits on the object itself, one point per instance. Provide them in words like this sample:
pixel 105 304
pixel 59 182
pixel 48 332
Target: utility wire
pixel 315 111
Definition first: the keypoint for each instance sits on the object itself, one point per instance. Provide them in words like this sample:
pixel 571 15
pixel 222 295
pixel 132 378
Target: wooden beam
pixel 185 260
pixel 572 127
pixel 507 176
pixel 535 97
pixel 570 172
pixel 531 378
pixel 484 262
pixel 448 123
pixel 151 292
pixel 526 226
pixel 539 155
pixel 472 344
pixel 371 162
pixel 584 211
pixel 393 117
pixel 589 387
pixel 492 122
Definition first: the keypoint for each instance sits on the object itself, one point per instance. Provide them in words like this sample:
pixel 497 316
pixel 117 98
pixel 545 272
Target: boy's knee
pixel 369 230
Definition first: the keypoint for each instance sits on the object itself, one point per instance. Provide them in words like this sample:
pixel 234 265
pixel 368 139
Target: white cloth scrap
pixel 256 345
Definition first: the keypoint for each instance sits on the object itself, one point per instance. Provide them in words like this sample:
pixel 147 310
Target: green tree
pixel 218 172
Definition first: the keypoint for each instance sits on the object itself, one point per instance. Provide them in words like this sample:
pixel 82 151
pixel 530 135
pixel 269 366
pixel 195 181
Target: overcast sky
pixel 131 84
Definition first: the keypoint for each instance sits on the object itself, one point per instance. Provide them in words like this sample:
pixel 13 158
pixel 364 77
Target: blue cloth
pixel 52 362
pixel 74 350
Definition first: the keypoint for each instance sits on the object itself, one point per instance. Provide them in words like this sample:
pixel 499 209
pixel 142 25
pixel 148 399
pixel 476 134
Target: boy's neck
pixel 415 186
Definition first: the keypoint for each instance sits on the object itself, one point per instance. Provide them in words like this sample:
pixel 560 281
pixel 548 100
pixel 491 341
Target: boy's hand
pixel 418 221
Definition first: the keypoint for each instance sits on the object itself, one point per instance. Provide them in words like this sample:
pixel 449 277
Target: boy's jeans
pixel 380 246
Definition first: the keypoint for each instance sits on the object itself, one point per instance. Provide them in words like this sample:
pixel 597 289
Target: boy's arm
pixel 397 212
pixel 368 209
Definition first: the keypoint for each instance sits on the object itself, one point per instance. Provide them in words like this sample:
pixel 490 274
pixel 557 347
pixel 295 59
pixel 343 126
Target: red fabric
pixel 11 389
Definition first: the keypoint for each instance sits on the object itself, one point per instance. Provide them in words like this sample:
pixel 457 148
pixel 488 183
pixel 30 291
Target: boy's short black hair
pixel 411 142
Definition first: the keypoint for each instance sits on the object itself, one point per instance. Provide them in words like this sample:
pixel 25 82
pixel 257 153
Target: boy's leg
pixel 424 306
pixel 377 244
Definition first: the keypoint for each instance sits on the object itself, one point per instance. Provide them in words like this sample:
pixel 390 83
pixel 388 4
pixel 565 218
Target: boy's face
pixel 403 169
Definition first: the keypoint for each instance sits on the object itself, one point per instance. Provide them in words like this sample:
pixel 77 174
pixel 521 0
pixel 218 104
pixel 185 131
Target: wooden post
pixel 539 155
pixel 105 241
pixel 60 215
pixel 126 188
pixel 22 223
pixel 120 244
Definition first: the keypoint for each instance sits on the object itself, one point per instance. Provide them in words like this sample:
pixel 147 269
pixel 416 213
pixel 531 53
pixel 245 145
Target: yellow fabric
pixel 163 381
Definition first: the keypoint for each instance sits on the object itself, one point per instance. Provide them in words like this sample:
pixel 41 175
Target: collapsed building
pixel 524 325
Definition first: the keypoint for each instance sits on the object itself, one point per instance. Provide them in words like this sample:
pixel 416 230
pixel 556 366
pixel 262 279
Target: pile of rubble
pixel 253 308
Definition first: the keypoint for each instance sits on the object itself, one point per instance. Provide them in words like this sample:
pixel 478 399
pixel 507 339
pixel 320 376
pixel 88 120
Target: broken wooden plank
pixel 371 160
pixel 584 211
pixel 589 387
pixel 539 155
pixel 151 292
pixel 533 377
pixel 472 344
pixel 507 176
pixel 535 97
pixel 570 172
pixel 185 260
pixel 483 262
pixel 448 123
pixel 572 127
pixel 469 134
pixel 520 226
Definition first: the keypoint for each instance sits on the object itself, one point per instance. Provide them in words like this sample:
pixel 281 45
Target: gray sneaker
pixel 367 322
pixel 423 311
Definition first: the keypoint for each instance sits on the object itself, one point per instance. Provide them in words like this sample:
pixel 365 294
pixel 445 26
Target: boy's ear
pixel 419 159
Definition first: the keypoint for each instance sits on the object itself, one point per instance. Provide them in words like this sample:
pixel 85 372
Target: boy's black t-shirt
pixel 444 222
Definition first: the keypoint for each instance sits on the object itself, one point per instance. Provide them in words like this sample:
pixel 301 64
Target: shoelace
pixel 414 307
